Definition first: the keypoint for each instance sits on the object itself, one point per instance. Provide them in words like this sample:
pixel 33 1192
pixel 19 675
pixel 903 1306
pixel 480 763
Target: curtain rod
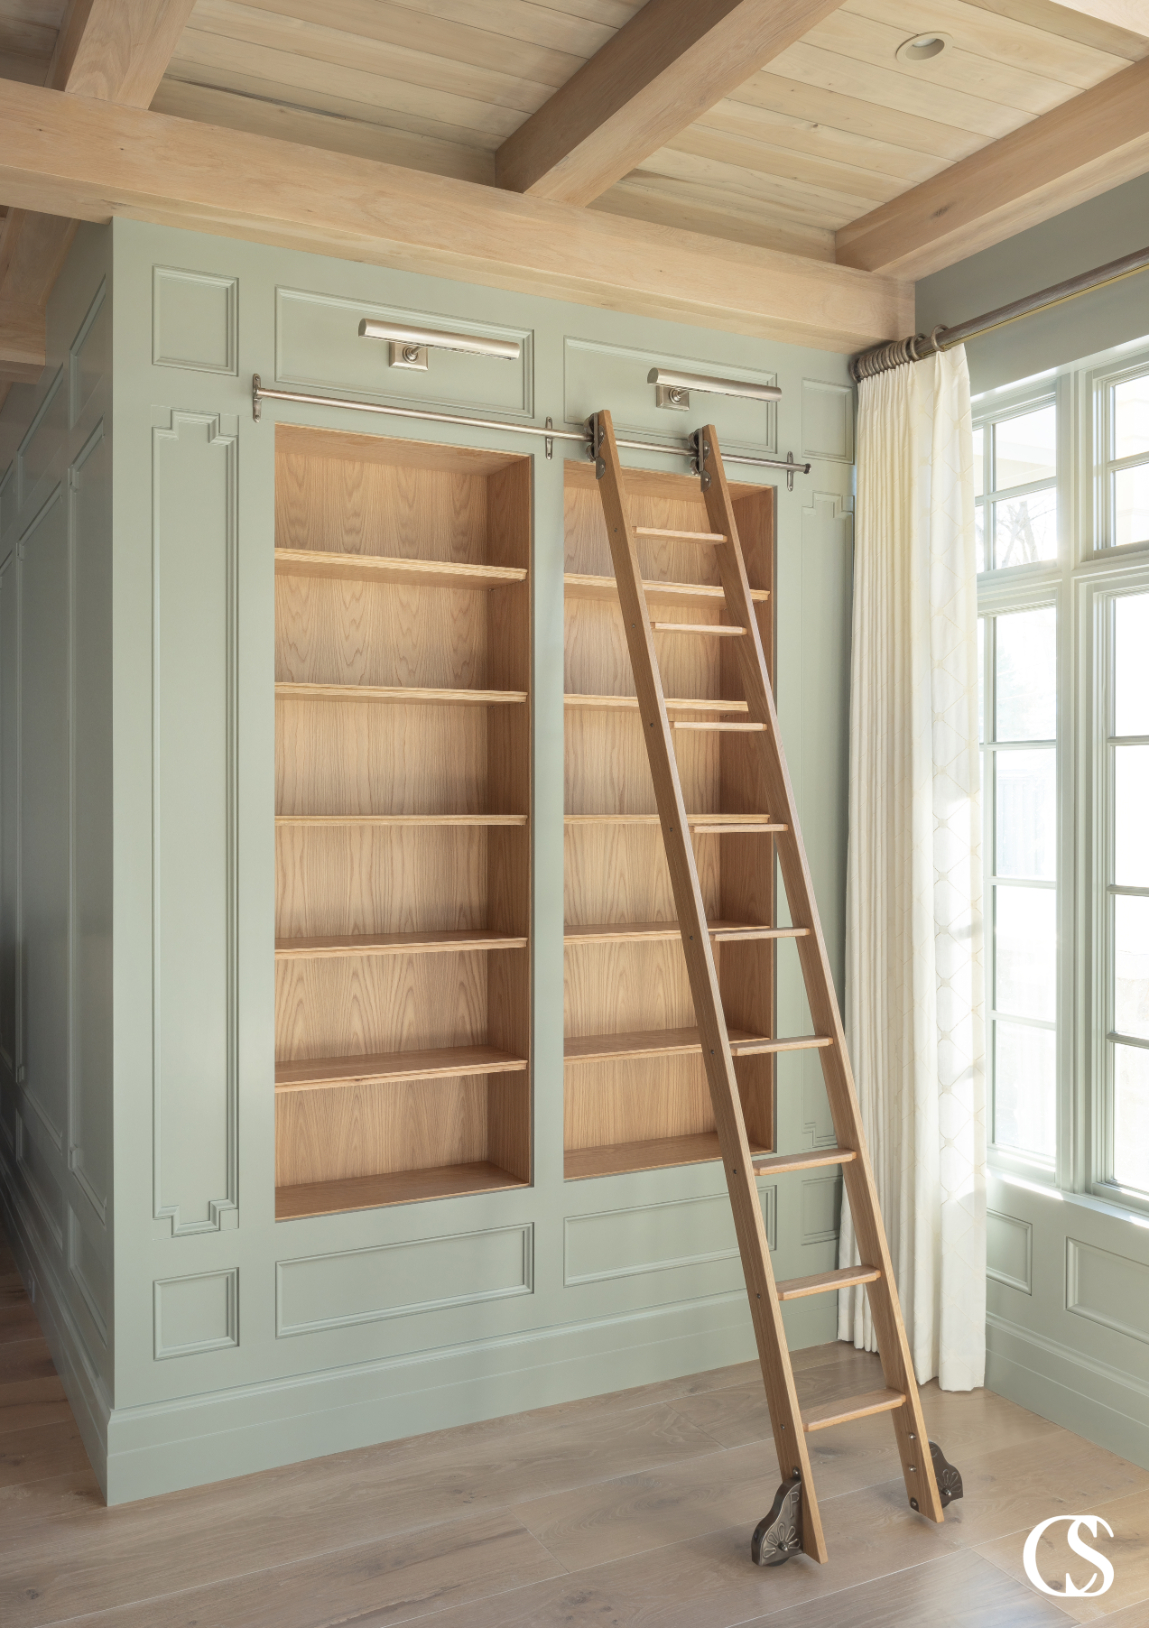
pixel 681 449
pixel 881 358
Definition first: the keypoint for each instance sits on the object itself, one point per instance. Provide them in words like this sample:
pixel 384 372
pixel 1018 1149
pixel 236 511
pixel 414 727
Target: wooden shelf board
pixel 703 823
pixel 723 932
pixel 400 1187
pixel 442 1062
pixel 300 562
pixel 599 1048
pixel 396 944
pixel 580 585
pixel 629 703
pixel 851 1407
pixel 404 694
pixel 437 820
pixel 619 1157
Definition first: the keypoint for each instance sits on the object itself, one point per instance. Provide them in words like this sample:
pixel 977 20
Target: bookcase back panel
pixel 364 879
pixel 353 507
pixel 618 987
pixel 633 1100
pixel 349 632
pixel 607 770
pixel 372 1130
pixel 355 757
pixel 351 1006
pixel 618 873
pixel 597 663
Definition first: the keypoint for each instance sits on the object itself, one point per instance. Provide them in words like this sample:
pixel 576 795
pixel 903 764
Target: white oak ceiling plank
pixel 852 114
pixel 336 132
pixel 967 72
pixel 745 119
pixel 743 188
pixel 93 159
pixel 392 23
pixel 24 36
pixel 830 70
pixel 763 158
pixel 245 27
pixel 582 31
pixel 690 209
pixel 30 70
pixel 674 59
pixel 212 59
pixel 984 33
pixel 1082 148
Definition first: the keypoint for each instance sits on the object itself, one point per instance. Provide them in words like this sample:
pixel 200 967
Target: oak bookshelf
pixel 402 821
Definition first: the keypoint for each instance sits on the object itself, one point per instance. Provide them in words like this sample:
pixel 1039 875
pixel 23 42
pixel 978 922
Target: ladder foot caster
pixel 949 1479
pixel 779 1534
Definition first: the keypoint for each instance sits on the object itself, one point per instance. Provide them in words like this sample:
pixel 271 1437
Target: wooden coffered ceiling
pixel 593 148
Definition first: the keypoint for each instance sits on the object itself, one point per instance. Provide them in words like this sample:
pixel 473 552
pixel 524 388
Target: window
pixel 1062 472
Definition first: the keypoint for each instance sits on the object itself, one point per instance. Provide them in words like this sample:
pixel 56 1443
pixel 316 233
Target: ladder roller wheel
pixel 779 1534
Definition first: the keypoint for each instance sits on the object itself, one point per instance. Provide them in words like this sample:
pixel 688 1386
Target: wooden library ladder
pixel 793 1523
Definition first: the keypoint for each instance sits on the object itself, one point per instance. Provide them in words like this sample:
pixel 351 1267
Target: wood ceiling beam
pixel 94 160
pixel 22 339
pixel 672 61
pixel 1086 146
pixel 114 49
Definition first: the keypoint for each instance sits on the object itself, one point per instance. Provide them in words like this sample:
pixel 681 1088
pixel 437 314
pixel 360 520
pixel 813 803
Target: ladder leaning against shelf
pixel 793 1523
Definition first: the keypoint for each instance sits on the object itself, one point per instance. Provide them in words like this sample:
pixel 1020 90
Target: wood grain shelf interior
pixel 402 1020
pixel 635 1093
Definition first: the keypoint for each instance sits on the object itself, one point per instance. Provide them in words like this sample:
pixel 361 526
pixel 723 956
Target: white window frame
pixel 1087 575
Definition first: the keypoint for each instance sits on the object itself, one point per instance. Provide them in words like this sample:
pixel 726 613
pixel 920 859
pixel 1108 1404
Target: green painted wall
pixel 1068 1325
pixel 56 1071
pixel 240 1343
pixel 1093 234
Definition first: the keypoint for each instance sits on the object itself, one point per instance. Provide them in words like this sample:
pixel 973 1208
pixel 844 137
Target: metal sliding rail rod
pixel 881 358
pixel 683 449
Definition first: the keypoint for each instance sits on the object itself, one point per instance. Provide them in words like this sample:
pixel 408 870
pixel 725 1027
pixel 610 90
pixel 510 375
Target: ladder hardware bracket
pixel 948 1478
pixel 779 1534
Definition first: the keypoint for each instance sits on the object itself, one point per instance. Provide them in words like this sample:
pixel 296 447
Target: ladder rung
pixel 718 630
pixel 724 932
pixel 681 536
pixel 777 1163
pixel 706 824
pixel 822 1282
pixel 724 729
pixel 708 828
pixel 629 703
pixel 851 1407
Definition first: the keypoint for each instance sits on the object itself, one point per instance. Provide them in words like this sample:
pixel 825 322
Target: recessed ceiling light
pixel 922 47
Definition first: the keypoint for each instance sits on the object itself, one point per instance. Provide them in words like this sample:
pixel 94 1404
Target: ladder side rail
pixel 770 1335
pixel 897 1364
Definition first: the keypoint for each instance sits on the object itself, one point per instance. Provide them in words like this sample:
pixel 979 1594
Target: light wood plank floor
pixel 625 1511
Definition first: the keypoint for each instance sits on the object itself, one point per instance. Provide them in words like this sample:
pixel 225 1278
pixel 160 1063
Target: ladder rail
pixel 857 1174
pixel 765 1307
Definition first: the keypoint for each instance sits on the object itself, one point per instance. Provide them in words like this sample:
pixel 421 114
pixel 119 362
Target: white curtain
pixel 914 991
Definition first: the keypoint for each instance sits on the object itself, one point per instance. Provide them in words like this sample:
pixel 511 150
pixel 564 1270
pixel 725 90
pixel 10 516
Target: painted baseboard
pixel 167 1446
pixel 1079 1393
pixel 84 1388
